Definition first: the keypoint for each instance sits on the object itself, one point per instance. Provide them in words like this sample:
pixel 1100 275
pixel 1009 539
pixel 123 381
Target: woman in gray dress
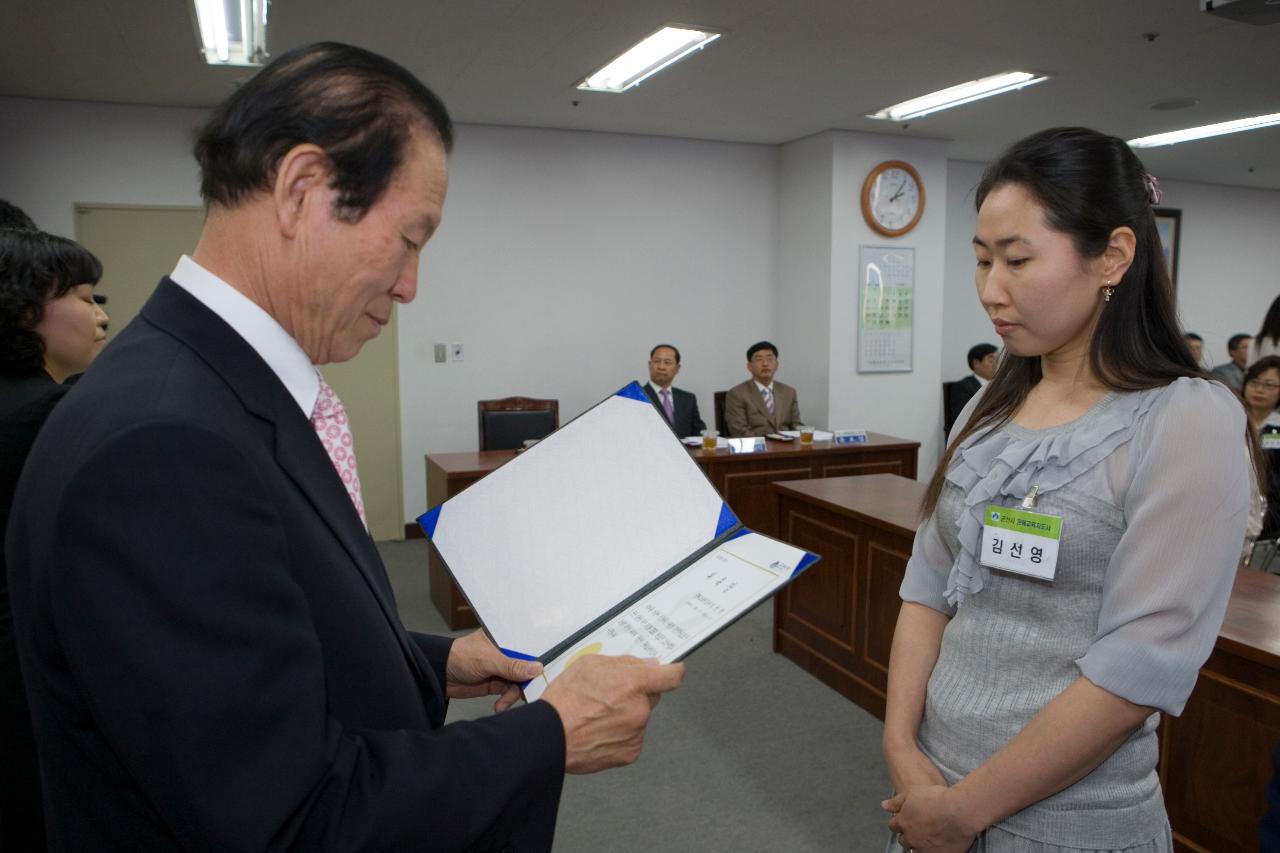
pixel 1025 690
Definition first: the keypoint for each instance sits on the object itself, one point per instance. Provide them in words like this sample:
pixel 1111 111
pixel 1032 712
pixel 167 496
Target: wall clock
pixel 893 198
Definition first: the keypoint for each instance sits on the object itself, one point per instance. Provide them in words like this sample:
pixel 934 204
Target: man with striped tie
pixel 761 405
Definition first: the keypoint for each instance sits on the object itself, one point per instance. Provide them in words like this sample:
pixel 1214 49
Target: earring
pixel 1108 291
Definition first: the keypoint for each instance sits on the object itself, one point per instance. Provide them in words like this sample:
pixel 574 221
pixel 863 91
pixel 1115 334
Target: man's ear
pixel 301 182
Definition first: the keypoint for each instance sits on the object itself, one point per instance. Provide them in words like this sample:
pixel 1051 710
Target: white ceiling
pixel 784 69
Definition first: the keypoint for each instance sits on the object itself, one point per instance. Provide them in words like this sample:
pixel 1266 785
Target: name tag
pixel 1271 441
pixel 849 436
pixel 747 445
pixel 1022 541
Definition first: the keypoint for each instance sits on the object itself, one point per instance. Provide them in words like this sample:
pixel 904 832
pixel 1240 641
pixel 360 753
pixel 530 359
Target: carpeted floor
pixel 751 754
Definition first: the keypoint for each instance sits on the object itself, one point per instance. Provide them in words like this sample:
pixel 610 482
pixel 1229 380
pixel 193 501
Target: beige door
pixel 139 245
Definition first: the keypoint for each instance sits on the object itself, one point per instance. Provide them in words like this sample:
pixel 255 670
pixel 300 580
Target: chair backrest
pixel 949 413
pixel 508 423
pixel 721 426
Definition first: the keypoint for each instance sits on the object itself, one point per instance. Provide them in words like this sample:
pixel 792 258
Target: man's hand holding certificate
pixel 604 703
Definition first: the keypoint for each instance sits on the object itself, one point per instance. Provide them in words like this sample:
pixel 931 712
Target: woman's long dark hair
pixel 1270 325
pixel 34 268
pixel 1089 184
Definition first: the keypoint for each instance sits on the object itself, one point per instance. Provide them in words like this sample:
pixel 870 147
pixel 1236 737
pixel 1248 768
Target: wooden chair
pixel 948 416
pixel 508 423
pixel 721 426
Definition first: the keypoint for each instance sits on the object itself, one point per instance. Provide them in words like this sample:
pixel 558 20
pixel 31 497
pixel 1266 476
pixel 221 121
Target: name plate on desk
pixel 850 436
pixel 747 445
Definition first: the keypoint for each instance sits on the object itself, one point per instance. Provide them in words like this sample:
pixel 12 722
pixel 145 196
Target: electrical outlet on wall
pixel 457 352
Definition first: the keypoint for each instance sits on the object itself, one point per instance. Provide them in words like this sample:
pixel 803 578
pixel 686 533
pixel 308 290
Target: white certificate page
pixel 672 620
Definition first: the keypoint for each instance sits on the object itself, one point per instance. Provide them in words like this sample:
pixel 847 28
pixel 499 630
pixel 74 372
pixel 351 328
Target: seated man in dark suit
pixel 983 360
pixel 679 408
pixel 215 660
pixel 760 405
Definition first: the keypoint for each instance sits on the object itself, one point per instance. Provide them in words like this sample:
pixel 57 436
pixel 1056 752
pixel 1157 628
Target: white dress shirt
pixel 258 328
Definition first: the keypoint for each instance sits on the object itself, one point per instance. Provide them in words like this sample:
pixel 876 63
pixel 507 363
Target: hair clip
pixel 1154 193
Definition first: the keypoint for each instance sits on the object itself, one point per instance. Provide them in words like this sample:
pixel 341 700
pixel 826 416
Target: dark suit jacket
pixel 746 414
pixel 25 404
pixel 959 393
pixel 685 407
pixel 213 653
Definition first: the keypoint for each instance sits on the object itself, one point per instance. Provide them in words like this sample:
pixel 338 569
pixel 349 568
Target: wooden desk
pixel 1215 759
pixel 837 620
pixel 744 480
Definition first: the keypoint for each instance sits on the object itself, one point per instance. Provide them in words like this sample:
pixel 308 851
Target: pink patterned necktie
pixel 330 421
pixel 666 405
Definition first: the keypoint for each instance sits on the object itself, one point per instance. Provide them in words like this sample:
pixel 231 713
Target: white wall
pixel 54 154
pixel 1228 268
pixel 802 295
pixel 902 404
pixel 966 322
pixel 1229 262
pixel 564 256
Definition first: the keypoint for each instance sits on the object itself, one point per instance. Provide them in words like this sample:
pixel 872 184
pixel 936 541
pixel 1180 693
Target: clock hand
pixel 901 187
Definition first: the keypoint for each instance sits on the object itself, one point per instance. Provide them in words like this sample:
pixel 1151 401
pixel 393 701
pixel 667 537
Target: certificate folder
pixel 605 537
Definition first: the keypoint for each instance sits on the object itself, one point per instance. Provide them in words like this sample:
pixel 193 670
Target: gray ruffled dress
pixel 1153 491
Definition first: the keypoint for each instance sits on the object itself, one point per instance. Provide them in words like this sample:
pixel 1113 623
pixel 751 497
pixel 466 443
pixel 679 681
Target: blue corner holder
pixel 805 562
pixel 428 521
pixel 726 522
pixel 633 392
pixel 518 656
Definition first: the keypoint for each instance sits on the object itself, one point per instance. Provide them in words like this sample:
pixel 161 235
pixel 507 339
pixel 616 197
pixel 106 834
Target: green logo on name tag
pixel 1024 521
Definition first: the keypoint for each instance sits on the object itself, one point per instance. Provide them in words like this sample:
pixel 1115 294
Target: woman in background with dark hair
pixel 1080 543
pixel 1267 341
pixel 50 329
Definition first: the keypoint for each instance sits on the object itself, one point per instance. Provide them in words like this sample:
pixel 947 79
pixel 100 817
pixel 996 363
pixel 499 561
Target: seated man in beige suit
pixel 761 406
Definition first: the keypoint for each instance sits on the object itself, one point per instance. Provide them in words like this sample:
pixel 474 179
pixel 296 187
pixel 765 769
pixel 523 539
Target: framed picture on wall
pixel 1169 224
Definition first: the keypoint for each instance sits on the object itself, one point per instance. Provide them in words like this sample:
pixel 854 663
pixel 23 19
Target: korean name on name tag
pixel 1020 540
pixel 1271 440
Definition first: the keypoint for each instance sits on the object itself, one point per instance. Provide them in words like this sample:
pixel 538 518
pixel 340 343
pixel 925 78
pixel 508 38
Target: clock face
pixel 892 198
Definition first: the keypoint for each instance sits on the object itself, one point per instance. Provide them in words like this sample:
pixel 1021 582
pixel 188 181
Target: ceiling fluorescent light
pixel 232 32
pixel 1175 136
pixel 945 99
pixel 665 47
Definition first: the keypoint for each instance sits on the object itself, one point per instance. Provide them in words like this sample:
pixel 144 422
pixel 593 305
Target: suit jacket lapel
pixel 758 399
pixel 297 448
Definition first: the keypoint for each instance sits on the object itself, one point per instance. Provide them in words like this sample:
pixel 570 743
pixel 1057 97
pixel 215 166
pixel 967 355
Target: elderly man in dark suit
pixel 761 405
pixel 678 408
pixel 214 658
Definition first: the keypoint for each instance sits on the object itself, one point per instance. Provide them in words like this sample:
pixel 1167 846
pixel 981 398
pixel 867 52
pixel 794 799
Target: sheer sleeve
pixel 1168 581
pixel 925 581
pixel 931 560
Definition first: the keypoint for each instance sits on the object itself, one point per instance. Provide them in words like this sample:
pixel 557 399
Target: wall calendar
pixel 886 290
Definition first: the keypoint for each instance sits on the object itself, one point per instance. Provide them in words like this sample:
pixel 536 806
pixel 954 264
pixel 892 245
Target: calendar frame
pixel 886 350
